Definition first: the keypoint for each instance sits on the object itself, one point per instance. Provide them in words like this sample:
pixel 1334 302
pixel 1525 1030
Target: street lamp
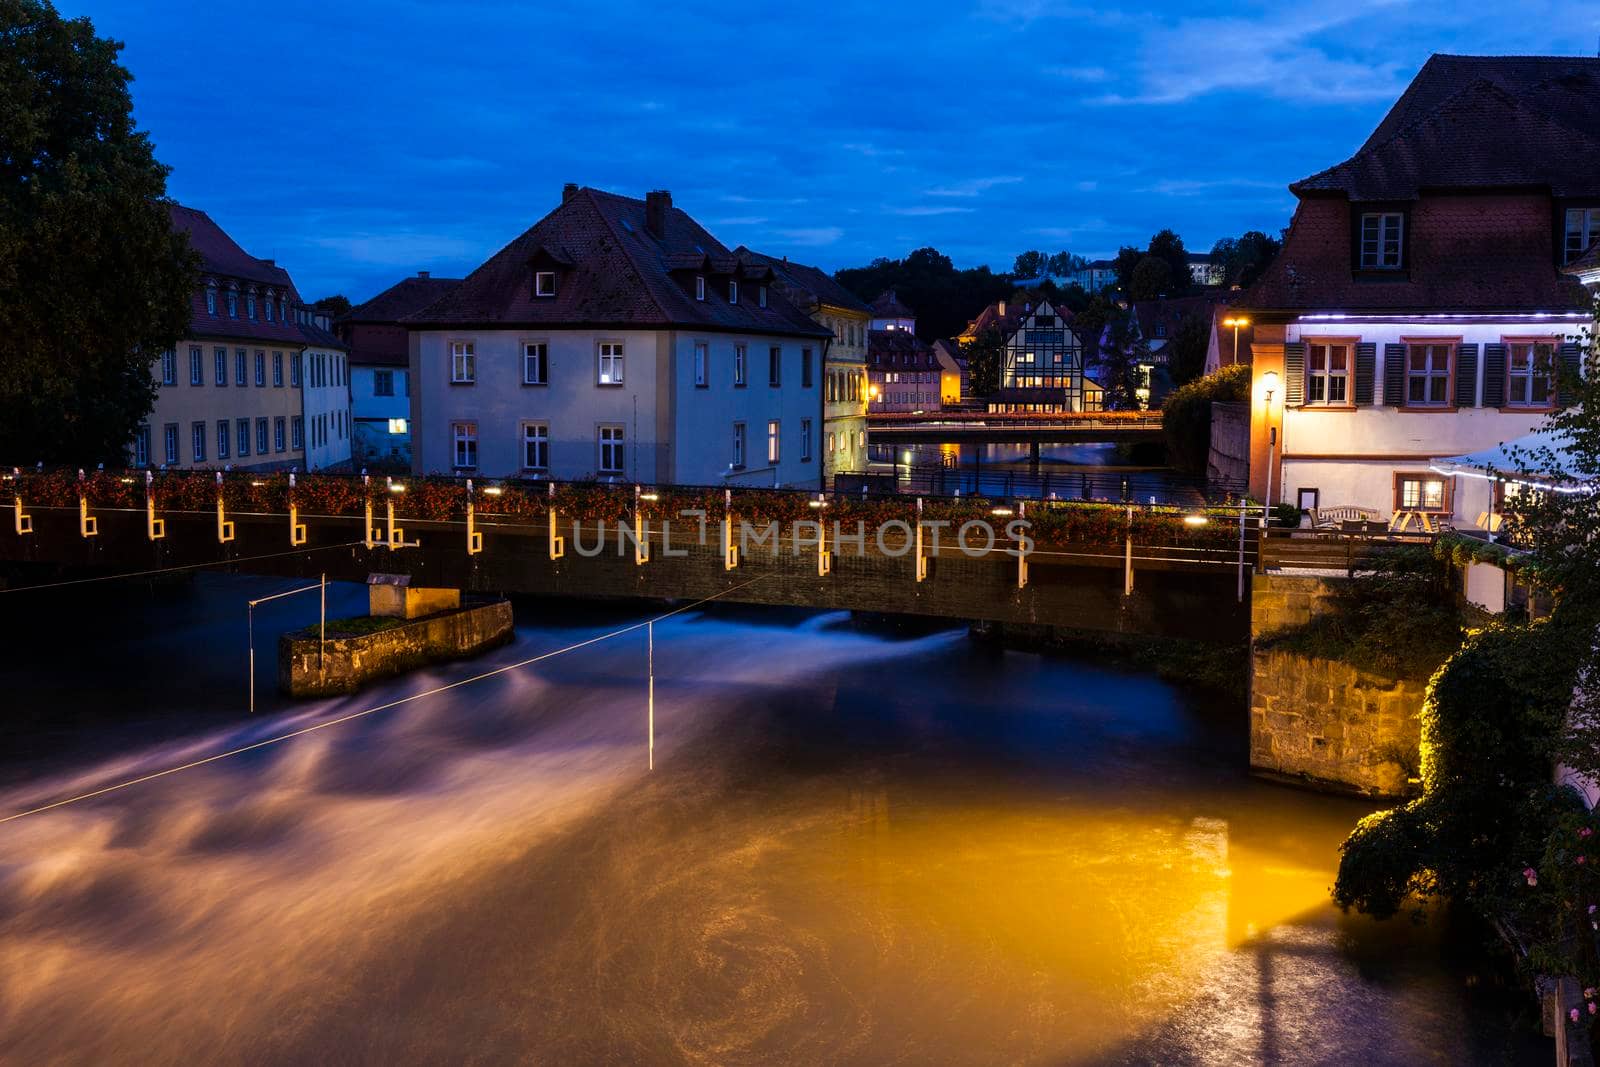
pixel 1236 321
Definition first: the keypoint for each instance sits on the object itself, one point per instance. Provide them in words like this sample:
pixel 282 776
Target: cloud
pixel 973 186
pixel 921 210
pixel 738 220
pixel 1194 187
pixel 397 249
pixel 813 236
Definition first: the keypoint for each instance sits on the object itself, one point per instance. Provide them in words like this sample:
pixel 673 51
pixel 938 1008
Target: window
pixel 702 357
pixel 535 446
pixel 699 286
pixel 1530 365
pixel 261 437
pixel 397 425
pixel 169 444
pixel 463 363
pixel 141 446
pixel 611 450
pixel 805 368
pixel 197 367
pixel 738 446
pixel 243 437
pixel 830 442
pixel 383 383
pixel 169 367
pixel 1582 229
pixel 733 290
pixel 772 441
pixel 220 358
pixel 241 367
pixel 261 367
pixel 1421 492
pixel 610 372
pixel 1428 375
pixel 211 300
pixel 535 368
pixel 277 370
pixel 761 295
pixel 774 366
pixel 544 283
pixel 224 438
pixel 297 432
pixel 294 369
pixel 233 304
pixel 266 308
pixel 739 360
pixel 1380 240
pixel 279 438
pixel 465 437
pixel 805 439
pixel 1327 373
pixel 250 305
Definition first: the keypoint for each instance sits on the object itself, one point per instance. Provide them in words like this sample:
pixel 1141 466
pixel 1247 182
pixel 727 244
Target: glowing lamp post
pixel 1269 387
pixel 1236 321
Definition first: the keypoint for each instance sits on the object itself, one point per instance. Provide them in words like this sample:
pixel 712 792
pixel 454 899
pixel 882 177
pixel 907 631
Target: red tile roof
pixel 1172 310
pixel 898 350
pixel 888 306
pixel 1563 86
pixel 220 255
pixel 612 271
pixel 223 262
pixel 401 299
pixel 1007 324
pixel 805 285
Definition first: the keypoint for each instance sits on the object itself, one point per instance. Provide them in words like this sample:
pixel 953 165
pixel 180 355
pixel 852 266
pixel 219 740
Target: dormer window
pixel 1582 230
pixel 211 299
pixel 233 304
pixel 733 290
pixel 267 307
pixel 250 305
pixel 544 283
pixel 699 286
pixel 761 296
pixel 1381 233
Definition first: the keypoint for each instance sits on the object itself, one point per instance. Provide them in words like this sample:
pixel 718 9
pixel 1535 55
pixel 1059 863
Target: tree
pixel 1244 258
pixel 93 280
pixel 1128 258
pixel 1152 278
pixel 1168 246
pixel 985 356
pixel 1062 264
pixel 1186 415
pixel 944 299
pixel 333 306
pixel 1186 349
pixel 1030 264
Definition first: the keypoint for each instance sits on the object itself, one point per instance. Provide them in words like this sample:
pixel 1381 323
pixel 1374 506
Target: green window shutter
pixel 1494 376
pixel 1294 374
pixel 1466 376
pixel 1394 375
pixel 1366 371
pixel 1569 366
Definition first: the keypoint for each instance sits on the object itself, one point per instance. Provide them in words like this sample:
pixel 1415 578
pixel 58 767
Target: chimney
pixel 422 274
pixel 656 205
pixel 1002 309
pixel 568 191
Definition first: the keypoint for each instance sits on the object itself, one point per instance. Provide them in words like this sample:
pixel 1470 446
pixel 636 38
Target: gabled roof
pixel 805 284
pixel 316 337
pixel 899 349
pixel 1172 310
pixel 1586 264
pixel 888 306
pixel 221 255
pixel 403 298
pixel 1482 137
pixel 621 275
pixel 1007 323
pixel 1562 86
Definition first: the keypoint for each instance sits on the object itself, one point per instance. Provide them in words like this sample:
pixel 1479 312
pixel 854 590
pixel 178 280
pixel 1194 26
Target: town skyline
pixel 854 158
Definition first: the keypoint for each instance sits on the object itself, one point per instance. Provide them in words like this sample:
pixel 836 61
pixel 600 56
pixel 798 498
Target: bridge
pixel 1158 570
pixel 1007 428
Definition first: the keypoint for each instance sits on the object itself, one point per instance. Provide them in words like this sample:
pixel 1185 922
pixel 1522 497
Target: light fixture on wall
pixel 1269 382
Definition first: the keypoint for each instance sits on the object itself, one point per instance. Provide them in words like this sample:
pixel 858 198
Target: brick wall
pixel 347 663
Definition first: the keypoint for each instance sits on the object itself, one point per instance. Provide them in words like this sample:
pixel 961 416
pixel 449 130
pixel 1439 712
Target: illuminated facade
pixel 1043 365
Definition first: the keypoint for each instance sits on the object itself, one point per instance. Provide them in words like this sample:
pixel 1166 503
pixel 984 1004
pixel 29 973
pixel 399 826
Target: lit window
pixel 772 441
pixel 465 438
pixel 699 286
pixel 534 364
pixel 463 363
pixel 544 283
pixel 702 358
pixel 1327 373
pixel 1530 367
pixel 397 425
pixel 1427 375
pixel 1380 240
pixel 535 446
pixel 610 369
pixel 611 454
pixel 1582 230
pixel 1418 492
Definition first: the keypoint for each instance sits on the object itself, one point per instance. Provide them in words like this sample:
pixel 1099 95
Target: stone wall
pixel 347 663
pixel 1329 722
pixel 1228 462
pixel 1324 720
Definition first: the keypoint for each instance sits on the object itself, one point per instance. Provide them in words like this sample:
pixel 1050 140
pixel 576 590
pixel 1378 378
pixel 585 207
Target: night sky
pixel 358 141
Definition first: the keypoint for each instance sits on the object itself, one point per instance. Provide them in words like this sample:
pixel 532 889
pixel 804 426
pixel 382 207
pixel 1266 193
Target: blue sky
pixel 357 142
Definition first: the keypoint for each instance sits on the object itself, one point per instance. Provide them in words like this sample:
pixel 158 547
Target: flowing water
pixel 855 847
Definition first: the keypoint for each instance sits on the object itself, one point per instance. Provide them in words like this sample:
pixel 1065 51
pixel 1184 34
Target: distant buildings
pixel 326 431
pixel 1096 276
pixel 1419 308
pixel 888 313
pixel 232 394
pixel 844 394
pixel 1043 365
pixel 617 339
pixel 380 371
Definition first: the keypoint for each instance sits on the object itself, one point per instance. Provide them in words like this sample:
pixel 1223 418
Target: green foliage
pixel 1151 278
pixel 1286 515
pixel 1166 247
pixel 985 353
pixel 1186 414
pixel 93 282
pixel 945 299
pixel 1186 349
pixel 333 306
pixel 1245 258
pixel 1380 863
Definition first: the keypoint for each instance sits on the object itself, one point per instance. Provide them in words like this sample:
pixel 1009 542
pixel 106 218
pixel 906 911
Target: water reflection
pixel 855 848
pixel 1060 471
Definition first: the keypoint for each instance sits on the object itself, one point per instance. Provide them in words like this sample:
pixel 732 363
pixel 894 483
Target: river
pixel 856 847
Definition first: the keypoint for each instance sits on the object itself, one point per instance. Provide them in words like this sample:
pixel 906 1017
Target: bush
pixel 1186 414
